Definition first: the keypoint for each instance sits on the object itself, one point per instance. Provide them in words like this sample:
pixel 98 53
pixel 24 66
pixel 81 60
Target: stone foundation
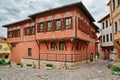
pixel 56 64
pixel 29 61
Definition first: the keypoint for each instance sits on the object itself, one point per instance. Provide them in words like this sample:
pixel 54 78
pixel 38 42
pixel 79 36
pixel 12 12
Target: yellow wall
pixel 115 16
pixel 5 49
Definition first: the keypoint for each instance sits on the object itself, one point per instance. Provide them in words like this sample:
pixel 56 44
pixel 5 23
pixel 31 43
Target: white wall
pixel 106 31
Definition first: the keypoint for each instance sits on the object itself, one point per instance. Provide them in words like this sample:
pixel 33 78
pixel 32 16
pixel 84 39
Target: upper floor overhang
pixel 77 4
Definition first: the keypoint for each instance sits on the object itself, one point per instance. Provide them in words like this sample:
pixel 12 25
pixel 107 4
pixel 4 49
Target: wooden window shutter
pixel 71 22
pixel 114 28
pixel 63 23
pixel 79 25
pixel 118 25
pixel 45 26
pixel 38 27
pixel 53 25
pixel 24 31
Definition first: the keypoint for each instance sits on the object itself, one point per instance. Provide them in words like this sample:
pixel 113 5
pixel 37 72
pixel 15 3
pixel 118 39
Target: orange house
pixel 59 36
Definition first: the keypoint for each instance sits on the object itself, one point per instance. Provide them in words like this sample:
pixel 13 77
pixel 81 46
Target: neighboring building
pixel 108 49
pixel 4 48
pixel 63 35
pixel 115 23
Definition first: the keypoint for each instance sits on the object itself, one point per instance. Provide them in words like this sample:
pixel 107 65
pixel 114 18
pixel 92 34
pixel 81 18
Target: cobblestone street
pixel 92 71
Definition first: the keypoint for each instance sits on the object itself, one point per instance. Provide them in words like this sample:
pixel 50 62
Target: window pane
pixel 68 23
pixel 50 26
pixel 58 25
pixel 61 45
pixel 52 45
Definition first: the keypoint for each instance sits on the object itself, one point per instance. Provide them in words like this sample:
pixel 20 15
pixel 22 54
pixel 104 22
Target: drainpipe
pixel 38 43
pixel 10 54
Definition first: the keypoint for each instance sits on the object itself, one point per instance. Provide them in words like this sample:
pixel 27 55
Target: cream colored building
pixel 115 23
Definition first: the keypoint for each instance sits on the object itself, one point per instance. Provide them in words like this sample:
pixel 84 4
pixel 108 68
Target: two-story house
pixel 4 48
pixel 107 48
pixel 59 36
pixel 115 23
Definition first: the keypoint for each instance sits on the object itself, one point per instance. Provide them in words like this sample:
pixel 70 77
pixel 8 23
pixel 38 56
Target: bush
pixel 49 65
pixel 2 62
pixel 29 65
pixel 116 69
pixel 18 64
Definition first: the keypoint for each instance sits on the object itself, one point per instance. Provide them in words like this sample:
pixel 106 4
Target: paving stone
pixel 91 71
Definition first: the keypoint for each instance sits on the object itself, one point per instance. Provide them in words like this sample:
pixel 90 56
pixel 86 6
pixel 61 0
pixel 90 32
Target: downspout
pixel 10 46
pixel 38 43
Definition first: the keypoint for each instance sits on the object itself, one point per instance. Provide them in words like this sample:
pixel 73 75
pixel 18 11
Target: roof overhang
pixel 78 4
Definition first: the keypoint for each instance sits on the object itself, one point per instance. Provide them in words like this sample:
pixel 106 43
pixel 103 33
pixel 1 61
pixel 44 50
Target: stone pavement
pixel 92 71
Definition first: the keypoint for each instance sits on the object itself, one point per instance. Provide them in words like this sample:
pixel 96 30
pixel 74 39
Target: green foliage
pixel 18 64
pixel 116 69
pixel 2 62
pixel 49 65
pixel 29 65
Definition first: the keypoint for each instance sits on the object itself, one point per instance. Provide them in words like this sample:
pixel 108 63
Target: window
pixel 104 38
pixel 29 51
pixel 118 2
pixel 68 23
pixel 52 47
pixel 107 37
pixel 4 39
pixel 33 30
pixel 0 47
pixel 30 30
pixel 61 45
pixel 41 27
pixel 58 25
pixel 103 25
pixel 49 26
pixel 115 27
pixel 106 23
pixel 14 33
pixel 113 5
pixel 110 36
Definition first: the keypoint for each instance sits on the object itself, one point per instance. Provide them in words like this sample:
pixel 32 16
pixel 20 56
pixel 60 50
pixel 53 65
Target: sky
pixel 15 10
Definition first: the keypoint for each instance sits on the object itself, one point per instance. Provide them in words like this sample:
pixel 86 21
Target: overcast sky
pixel 15 10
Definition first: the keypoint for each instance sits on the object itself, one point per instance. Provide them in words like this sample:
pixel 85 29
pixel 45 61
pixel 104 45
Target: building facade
pixel 4 48
pixel 107 48
pixel 115 23
pixel 59 36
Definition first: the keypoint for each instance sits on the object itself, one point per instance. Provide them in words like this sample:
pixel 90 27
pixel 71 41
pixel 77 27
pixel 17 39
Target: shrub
pixel 29 65
pixel 116 69
pixel 2 62
pixel 49 65
pixel 18 64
